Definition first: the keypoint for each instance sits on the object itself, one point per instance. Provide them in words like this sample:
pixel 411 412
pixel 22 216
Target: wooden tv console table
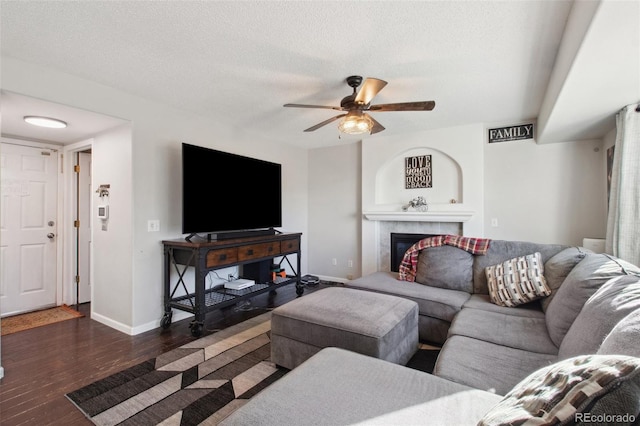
pixel 256 254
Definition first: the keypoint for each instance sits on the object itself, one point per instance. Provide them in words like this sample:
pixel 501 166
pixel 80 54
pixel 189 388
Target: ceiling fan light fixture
pixel 51 123
pixel 355 123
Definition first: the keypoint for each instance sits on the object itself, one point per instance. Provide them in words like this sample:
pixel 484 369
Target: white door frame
pixel 57 150
pixel 65 246
pixel 69 231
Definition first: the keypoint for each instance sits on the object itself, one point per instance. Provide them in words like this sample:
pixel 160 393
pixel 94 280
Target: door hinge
pixel 76 224
pixel 76 168
pixel 77 279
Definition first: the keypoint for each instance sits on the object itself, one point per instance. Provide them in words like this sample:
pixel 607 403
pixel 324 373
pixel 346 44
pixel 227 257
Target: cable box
pixel 239 284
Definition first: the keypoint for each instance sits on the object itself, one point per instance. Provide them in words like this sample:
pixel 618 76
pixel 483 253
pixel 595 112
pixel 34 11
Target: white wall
pixel 112 242
pixel 582 13
pixel 334 211
pixel 157 132
pixel 595 72
pixel 551 193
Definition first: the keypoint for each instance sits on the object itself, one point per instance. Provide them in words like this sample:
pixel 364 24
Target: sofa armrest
pixel 339 387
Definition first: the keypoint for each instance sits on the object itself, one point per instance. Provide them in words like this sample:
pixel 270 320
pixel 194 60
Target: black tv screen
pixel 228 192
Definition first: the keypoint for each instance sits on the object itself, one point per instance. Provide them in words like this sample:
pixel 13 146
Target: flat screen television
pixel 227 195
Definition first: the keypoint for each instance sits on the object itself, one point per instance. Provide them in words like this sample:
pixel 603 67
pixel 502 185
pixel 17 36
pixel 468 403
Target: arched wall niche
pixel 447 180
pixel 454 150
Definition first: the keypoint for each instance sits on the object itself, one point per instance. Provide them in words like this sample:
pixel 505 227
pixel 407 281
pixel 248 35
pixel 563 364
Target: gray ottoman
pixel 373 324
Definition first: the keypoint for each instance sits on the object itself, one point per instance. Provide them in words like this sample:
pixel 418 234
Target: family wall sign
pixel 511 133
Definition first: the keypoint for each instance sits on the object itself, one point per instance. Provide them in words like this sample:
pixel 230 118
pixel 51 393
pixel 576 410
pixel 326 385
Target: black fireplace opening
pixel 400 243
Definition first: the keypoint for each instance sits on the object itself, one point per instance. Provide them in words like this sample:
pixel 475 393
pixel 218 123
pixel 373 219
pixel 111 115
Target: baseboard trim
pixel 111 323
pixel 176 316
pixel 132 331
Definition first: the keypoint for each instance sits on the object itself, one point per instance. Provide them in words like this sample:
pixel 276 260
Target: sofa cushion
pixel 624 338
pixel 581 283
pixel 565 392
pixel 338 387
pixel 446 267
pixel 501 250
pixel 432 301
pixel 483 303
pixel 487 366
pixel 558 267
pixel 517 281
pixel 617 298
pixel 529 334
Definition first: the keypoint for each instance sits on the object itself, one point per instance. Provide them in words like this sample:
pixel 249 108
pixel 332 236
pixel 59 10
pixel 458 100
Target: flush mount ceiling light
pixel 355 123
pixel 48 122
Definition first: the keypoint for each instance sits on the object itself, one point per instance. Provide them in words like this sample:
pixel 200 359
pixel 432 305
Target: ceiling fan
pixel 355 120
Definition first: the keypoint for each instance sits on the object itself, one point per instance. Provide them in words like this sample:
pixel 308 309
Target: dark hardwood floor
pixel 41 365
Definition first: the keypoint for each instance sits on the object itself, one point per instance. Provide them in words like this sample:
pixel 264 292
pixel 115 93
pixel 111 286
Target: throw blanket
pixel 409 265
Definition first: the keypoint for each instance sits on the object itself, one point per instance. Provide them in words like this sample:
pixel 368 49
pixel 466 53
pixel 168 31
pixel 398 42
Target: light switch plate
pixel 153 225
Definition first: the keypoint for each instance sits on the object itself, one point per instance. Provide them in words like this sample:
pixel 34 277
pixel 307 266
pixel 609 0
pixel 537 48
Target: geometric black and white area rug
pixel 201 382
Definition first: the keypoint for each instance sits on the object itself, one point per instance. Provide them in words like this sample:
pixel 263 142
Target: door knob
pixel 50 235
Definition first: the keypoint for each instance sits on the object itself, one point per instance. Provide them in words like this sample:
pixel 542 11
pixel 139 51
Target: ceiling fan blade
pixel 312 106
pixel 324 123
pixel 404 106
pixel 377 127
pixel 369 90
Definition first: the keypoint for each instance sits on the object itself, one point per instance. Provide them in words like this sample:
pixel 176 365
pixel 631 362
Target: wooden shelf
pixel 256 255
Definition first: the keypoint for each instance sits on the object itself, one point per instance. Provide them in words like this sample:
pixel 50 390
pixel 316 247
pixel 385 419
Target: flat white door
pixel 84 230
pixel 28 228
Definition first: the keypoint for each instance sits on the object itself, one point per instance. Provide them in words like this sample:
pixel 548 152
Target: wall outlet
pixel 350 263
pixel 494 222
pixel 153 225
pixel 334 261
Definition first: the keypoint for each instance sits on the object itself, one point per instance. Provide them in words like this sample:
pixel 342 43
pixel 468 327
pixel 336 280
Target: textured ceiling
pixel 240 61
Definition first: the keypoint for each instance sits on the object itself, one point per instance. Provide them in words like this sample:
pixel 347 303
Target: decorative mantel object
pixel 417 172
pixel 418 204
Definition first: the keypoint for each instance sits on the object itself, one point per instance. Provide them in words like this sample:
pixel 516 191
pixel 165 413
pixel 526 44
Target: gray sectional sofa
pixel 479 337
pixel 488 350
pixel 453 278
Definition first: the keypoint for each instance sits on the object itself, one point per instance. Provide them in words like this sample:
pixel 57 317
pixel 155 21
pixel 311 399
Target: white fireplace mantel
pixel 429 216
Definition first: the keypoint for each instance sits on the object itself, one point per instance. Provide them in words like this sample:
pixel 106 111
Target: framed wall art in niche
pixel 418 172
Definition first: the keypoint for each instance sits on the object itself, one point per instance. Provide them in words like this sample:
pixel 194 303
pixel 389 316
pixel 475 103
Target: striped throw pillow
pixel 517 281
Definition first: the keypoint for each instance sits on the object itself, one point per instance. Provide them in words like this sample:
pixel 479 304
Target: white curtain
pixel 623 221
